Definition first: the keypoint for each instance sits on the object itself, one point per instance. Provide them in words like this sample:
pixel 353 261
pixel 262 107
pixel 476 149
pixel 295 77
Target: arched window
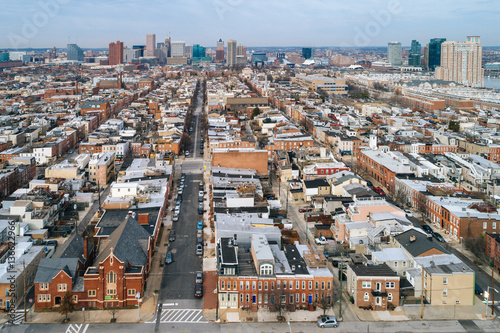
pixel 111 277
pixel 266 269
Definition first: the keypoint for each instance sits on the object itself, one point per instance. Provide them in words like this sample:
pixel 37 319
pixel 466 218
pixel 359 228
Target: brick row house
pixel 268 277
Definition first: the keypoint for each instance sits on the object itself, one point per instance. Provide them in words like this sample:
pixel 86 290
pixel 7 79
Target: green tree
pixel 454 126
pixel 255 112
pixel 67 305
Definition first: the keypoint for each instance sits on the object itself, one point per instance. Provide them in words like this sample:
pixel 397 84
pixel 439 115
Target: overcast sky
pixel 95 23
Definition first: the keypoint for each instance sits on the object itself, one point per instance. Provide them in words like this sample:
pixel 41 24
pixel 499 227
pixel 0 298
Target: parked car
pixel 305 209
pixel 169 258
pixel 329 321
pixel 199 240
pixel 201 152
pixel 200 208
pixel 198 290
pixel 175 218
pixel 199 277
pixel 201 193
pixel 200 199
pixel 171 237
pixel 408 213
pixel 199 225
pixel 438 237
pixel 187 153
pixel 478 290
pixel 427 229
pixel 199 249
pixel 369 183
pixel 321 240
pixel 199 233
pixel 177 211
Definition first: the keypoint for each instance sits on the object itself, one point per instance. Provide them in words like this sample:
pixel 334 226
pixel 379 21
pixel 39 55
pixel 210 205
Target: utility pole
pixel 99 194
pixel 287 192
pixel 422 296
pixel 340 279
pixel 24 282
pixel 492 293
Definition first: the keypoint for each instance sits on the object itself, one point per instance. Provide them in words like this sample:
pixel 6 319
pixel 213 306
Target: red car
pixel 305 209
pixel 379 190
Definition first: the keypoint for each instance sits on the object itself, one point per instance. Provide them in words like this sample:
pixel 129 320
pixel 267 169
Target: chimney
pixel 413 238
pixel 86 248
pixel 143 218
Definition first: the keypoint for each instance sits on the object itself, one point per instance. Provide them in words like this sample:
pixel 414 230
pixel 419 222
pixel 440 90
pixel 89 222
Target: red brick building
pixel 374 287
pixel 493 249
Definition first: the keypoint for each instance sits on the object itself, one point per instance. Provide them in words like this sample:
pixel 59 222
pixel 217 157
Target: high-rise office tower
pixel 241 50
pixel 116 53
pixel 178 49
pixel 462 62
pixel 435 53
pixel 168 46
pixel 426 57
pixel 74 52
pixel 150 45
pixel 219 51
pixel 231 53
pixel 307 52
pixel 415 54
pixel 198 51
pixel 394 52
pixel 188 51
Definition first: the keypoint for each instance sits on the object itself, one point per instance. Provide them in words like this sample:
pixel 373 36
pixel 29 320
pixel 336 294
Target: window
pixel 241 285
pixel 310 285
pixel 278 285
pixel 445 292
pixel 303 298
pixel 322 285
pixel 297 298
pixel 389 297
pixel 404 263
pixel 297 285
pixel 241 298
pixel 303 284
pixel 91 293
pixel 254 285
pixel 248 285
pixel 260 298
pixel 367 297
pixel 366 284
pixel 131 292
pixel 291 299
pixel 247 298
pixel 44 286
pixel 234 285
pixel 494 226
pixel 111 292
pixel 75 299
pixel 378 286
pixel 445 280
pixel 485 225
pixel 291 285
pixel 390 285
pixel 222 285
pixel 61 287
pixel 266 298
pixel 395 264
pixel 266 269
pixel 329 285
pixel 111 277
pixel 260 285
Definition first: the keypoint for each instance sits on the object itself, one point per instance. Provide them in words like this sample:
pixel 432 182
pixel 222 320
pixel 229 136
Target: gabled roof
pixel 48 268
pixel 129 243
pixel 73 248
pixel 420 245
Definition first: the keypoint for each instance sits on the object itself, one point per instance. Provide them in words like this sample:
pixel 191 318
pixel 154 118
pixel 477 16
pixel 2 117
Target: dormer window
pixel 266 269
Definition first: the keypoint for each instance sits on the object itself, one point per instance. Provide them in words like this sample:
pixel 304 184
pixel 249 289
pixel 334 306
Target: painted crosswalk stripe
pixel 182 316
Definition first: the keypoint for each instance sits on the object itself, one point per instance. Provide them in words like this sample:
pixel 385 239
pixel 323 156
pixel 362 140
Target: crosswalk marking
pixel 75 328
pixel 180 316
pixel 18 317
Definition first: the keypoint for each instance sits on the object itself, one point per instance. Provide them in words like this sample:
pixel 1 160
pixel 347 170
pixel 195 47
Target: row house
pixel 100 108
pixel 423 148
pixel 289 142
pixel 382 167
pixel 11 153
pixel 462 217
pixel 348 145
pixel 250 280
pixel 493 249
pixel 317 170
pixel 373 287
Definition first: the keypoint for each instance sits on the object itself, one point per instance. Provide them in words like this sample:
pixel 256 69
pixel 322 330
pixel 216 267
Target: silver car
pixel 329 321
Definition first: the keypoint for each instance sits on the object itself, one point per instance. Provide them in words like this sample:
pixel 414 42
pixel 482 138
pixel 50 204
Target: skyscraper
pixel 74 52
pixel 307 52
pixel 426 57
pixel 168 47
pixel 435 53
pixel 219 51
pixel 241 50
pixel 415 55
pixel 150 45
pixel 116 53
pixel 231 53
pixel 394 51
pixel 178 49
pixel 462 62
pixel 198 51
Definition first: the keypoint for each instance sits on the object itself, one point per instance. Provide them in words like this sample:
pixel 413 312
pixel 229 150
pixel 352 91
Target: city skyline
pixel 59 22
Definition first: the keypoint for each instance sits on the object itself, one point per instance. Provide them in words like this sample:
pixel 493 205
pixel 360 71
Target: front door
pixel 378 301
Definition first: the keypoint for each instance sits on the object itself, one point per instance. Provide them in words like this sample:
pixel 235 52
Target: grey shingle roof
pixel 73 248
pixel 50 267
pixel 372 270
pixel 129 242
pixel 420 245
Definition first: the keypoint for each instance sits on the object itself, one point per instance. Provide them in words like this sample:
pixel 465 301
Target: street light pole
pixel 138 298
